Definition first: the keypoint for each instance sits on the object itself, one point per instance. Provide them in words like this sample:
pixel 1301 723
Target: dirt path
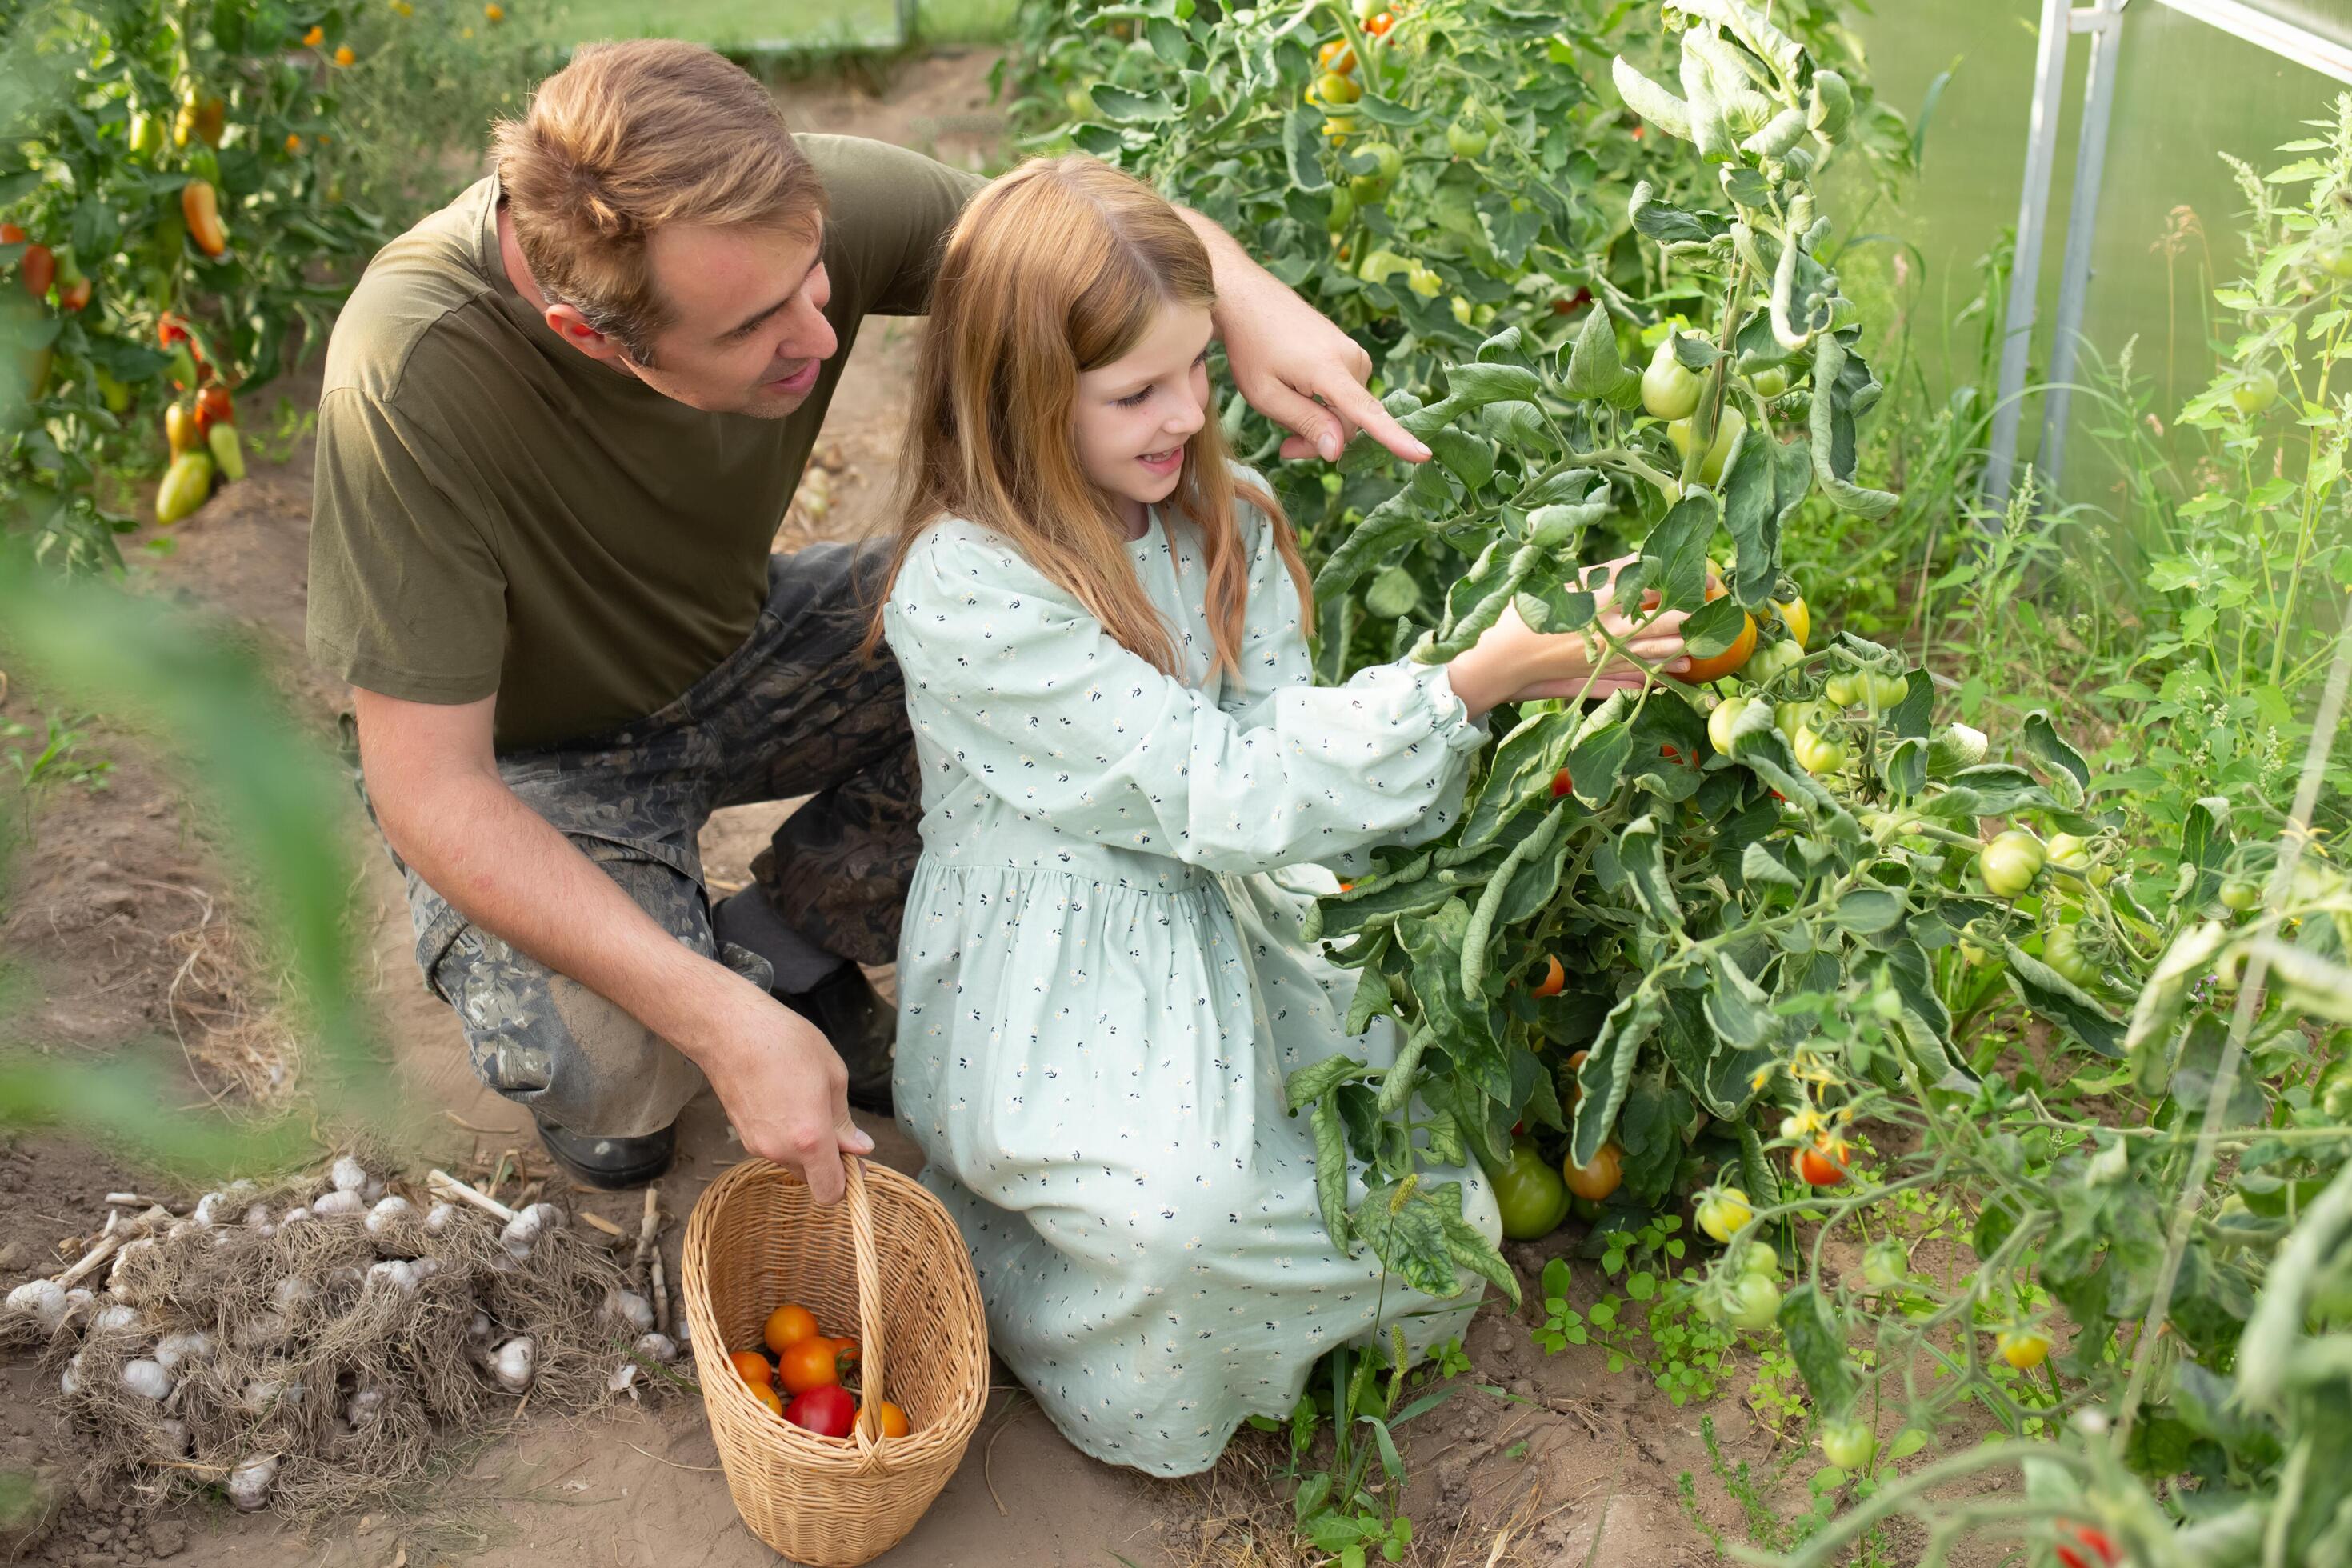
pixel 123 914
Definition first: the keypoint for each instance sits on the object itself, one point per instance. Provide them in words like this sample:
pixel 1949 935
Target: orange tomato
pixel 845 1353
pixel 788 1325
pixel 754 1369
pixel 1596 1181
pixel 1822 1165
pixel 1703 670
pixel 1555 976
pixel 344 56
pixel 1336 56
pixel 200 204
pixel 772 1399
pixel 1575 1090
pixel 808 1363
pixel 1379 25
pixel 892 1420
pixel 314 37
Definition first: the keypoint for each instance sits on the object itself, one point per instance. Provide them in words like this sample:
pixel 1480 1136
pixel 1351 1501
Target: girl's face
pixel 1136 413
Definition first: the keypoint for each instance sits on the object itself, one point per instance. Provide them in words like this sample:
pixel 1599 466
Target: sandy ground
pixel 128 924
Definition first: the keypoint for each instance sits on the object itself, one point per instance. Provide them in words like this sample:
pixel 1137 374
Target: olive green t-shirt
pixel 495 513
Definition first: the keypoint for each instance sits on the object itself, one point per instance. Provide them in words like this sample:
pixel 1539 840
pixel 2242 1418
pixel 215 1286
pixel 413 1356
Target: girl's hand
pixel 1513 663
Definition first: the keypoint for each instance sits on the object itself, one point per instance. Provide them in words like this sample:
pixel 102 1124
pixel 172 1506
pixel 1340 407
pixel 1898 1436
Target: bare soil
pixel 127 922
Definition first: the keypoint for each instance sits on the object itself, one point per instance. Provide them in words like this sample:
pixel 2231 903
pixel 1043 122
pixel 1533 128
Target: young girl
pixel 1102 627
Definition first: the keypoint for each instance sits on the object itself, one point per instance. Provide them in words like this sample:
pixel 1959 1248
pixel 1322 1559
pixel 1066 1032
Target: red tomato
pixel 1561 784
pixel 1595 1182
pixel 75 296
pixel 11 235
pixel 2097 1548
pixel 215 406
pixel 38 269
pixel 827 1411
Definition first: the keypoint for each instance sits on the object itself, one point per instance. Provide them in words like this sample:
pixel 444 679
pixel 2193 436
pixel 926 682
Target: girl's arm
pixel 1042 708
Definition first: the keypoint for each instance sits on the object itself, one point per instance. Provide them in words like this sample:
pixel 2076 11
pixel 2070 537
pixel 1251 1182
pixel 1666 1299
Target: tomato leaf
pixel 1643 855
pixel 1126 108
pixel 2063 1003
pixel 1609 1069
pixel 1302 150
pixel 1474 385
pixel 1674 557
pixel 1316 1079
pixel 1593 363
pixel 1331 1173
pixel 1817 1345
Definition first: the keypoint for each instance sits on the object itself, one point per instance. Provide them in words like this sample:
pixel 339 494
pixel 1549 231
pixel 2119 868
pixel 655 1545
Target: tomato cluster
pixel 819 1374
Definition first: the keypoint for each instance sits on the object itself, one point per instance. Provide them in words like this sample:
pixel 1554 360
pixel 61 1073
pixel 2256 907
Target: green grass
pixel 748 25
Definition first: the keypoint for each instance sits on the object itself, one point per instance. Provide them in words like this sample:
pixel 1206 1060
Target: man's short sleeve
pixel 891 211
pixel 406 598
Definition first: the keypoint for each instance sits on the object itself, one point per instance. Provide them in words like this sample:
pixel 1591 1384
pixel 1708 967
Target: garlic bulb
pixel 656 1348
pixel 295 1216
pixel 347 1174
pixel 439 1218
pixel 147 1379
pixel 364 1408
pixel 210 1210
pixel 77 1298
pixel 479 1331
pixel 257 1220
pixel 373 1191
pixel 39 1299
pixel 629 1308
pixel 389 1212
pixel 624 1379
pixel 173 1439
pixel 112 1319
pixel 70 1380
pixel 292 1291
pixel 174 1349
pixel 263 1330
pixel 512 1364
pixel 339 1201
pixel 399 1275
pixel 249 1483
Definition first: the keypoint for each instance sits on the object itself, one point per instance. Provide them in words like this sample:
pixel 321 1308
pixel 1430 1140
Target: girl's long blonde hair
pixel 1058 267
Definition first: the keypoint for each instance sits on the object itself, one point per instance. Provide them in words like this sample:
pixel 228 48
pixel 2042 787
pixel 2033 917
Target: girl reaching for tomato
pixel 1102 624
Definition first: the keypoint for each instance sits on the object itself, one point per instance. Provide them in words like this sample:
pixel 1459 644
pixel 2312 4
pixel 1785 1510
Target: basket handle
pixel 869 1430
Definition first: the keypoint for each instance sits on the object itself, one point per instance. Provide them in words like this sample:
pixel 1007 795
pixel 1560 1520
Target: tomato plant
pixel 194 189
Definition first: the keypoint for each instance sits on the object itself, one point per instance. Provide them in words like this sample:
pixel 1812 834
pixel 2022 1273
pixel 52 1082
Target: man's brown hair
pixel 625 139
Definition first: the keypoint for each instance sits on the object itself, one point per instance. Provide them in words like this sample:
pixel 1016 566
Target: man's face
pixel 747 332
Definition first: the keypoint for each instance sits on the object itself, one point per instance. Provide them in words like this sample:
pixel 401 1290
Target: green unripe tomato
pixel 1465 141
pixel 1885 1265
pixel 2010 863
pixel 1332 87
pixel 1669 389
pixel 1485 314
pixel 1769 383
pixel 1845 688
pixel 1728 431
pixel 1424 282
pixel 1849 1445
pixel 1462 311
pixel 2333 257
pixel 2069 850
pixel 1817 753
pixel 1368 9
pixel 2240 894
pixel 1754 1303
pixel 1530 1195
pixel 1773 659
pixel 1387 161
pixel 2062 949
pixel 1882 692
pixel 1367 190
pixel 2253 394
pixel 1760 1258
pixel 1343 207
pixel 1718 729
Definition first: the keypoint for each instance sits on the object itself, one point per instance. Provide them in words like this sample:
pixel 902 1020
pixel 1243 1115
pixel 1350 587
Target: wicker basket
pixel 889 1260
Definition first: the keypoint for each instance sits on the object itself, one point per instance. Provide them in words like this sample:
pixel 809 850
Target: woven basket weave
pixel 889 1260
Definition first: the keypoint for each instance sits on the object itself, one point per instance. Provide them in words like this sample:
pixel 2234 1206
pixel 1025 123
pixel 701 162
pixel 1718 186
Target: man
pixel 562 419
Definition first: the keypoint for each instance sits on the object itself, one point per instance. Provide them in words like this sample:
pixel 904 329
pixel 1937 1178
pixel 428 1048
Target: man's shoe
pixel 845 1005
pixel 613 1165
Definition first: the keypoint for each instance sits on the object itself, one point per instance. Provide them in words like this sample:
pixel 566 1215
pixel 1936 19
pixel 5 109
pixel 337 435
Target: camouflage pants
pixel 794 711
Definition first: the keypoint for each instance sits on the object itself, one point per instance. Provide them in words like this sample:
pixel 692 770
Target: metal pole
pixel 2026 280
pixel 2284 38
pixel 2103 22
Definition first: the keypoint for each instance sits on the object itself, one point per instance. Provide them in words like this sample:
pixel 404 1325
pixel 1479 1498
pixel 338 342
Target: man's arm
pixel 1290 362
pixel 433 781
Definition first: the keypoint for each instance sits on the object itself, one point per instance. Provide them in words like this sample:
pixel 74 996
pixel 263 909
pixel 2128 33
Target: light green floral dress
pixel 1100 995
